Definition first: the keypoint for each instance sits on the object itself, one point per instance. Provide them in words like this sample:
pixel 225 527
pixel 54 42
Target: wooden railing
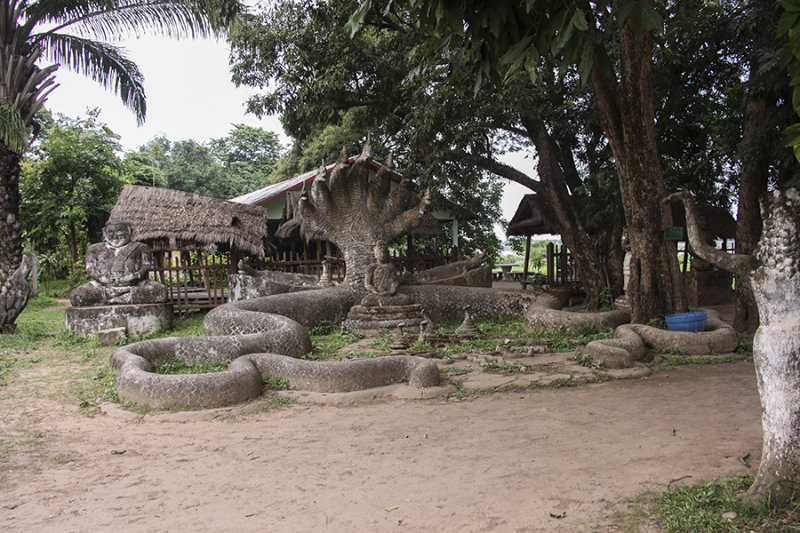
pixel 200 281
pixel 202 284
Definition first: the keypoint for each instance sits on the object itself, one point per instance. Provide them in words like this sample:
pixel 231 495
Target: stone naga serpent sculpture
pixel 263 337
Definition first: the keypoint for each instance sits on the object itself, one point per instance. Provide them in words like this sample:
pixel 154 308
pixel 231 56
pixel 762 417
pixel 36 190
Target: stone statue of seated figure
pixel 382 280
pixel 118 270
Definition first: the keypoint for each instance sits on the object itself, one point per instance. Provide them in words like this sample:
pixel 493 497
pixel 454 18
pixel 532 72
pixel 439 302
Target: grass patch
pixel 43 359
pixel 744 347
pixel 559 383
pixel 175 366
pixel 276 383
pixel 602 377
pixel 700 508
pixel 668 363
pixel 584 359
pixel 327 342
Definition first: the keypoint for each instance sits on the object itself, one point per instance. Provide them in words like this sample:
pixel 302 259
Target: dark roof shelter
pixel 530 219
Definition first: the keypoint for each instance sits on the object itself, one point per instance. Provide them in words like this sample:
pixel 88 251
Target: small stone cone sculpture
pixel 467 328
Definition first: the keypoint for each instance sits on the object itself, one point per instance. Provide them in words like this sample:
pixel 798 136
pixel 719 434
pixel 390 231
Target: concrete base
pixel 138 320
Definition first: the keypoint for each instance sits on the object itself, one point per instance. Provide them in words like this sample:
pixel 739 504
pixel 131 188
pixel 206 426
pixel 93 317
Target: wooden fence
pixel 197 281
pixel 193 283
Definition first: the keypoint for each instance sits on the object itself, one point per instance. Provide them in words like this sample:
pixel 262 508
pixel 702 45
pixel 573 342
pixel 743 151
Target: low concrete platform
pixel 138 320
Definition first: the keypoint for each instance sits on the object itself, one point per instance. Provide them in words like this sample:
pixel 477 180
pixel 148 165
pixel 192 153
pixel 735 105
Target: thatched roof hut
pixel 530 219
pixel 167 220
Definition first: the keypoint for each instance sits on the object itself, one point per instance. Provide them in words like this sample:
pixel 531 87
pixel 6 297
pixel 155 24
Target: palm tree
pixel 74 34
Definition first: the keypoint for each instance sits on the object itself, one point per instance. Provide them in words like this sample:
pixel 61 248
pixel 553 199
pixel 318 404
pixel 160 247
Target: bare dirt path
pixel 499 462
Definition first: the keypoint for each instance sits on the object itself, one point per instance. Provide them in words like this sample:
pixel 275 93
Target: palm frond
pixel 13 133
pixel 111 19
pixel 104 63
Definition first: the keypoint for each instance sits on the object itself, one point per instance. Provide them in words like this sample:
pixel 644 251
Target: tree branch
pixel 739 264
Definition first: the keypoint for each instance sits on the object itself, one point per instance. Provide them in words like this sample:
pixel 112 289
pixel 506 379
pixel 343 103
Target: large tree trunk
pixel 14 288
pixel 560 204
pixel 756 147
pixel 774 277
pixel 776 348
pixel 627 113
pixel 752 183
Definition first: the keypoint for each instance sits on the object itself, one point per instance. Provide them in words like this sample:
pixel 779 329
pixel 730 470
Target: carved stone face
pixel 117 234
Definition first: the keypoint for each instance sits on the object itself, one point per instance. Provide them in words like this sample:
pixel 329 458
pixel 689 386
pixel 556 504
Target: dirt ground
pixel 540 460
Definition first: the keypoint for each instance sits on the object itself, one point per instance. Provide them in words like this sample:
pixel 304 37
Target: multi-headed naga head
pixel 356 208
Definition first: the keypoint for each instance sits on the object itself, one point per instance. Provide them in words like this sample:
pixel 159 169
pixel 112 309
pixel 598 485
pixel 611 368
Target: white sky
pixel 190 96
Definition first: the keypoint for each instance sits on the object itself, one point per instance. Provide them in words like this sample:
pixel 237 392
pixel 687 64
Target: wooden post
pixel 527 258
pixel 550 261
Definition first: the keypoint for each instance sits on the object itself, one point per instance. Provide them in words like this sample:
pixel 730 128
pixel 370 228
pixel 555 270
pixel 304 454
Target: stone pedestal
pixel 373 319
pixel 377 313
pixel 138 320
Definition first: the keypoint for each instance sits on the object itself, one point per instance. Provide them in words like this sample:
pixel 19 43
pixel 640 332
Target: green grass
pixel 584 359
pixel 495 332
pixel 699 508
pixel 43 359
pixel 179 367
pixel 668 363
pixel 327 341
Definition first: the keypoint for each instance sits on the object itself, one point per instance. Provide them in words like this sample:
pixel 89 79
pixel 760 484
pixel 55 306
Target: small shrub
pixel 606 299
pixel 602 377
pixel 562 382
pixel 276 383
pixel 744 347
pixel 584 359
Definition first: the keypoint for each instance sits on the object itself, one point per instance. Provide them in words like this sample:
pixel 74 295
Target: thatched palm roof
pixel 530 219
pixel 167 219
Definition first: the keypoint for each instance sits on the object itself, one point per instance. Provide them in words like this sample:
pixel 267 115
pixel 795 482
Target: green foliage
pixel 226 167
pixel 537 260
pixel 75 36
pixel 326 341
pixel 674 351
pixel 381 343
pixel 744 347
pixel 69 184
pixel 276 383
pixel 699 508
pixel 606 299
pixel 602 377
pixel 559 383
pixel 672 362
pixel 584 359
pixel 175 366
